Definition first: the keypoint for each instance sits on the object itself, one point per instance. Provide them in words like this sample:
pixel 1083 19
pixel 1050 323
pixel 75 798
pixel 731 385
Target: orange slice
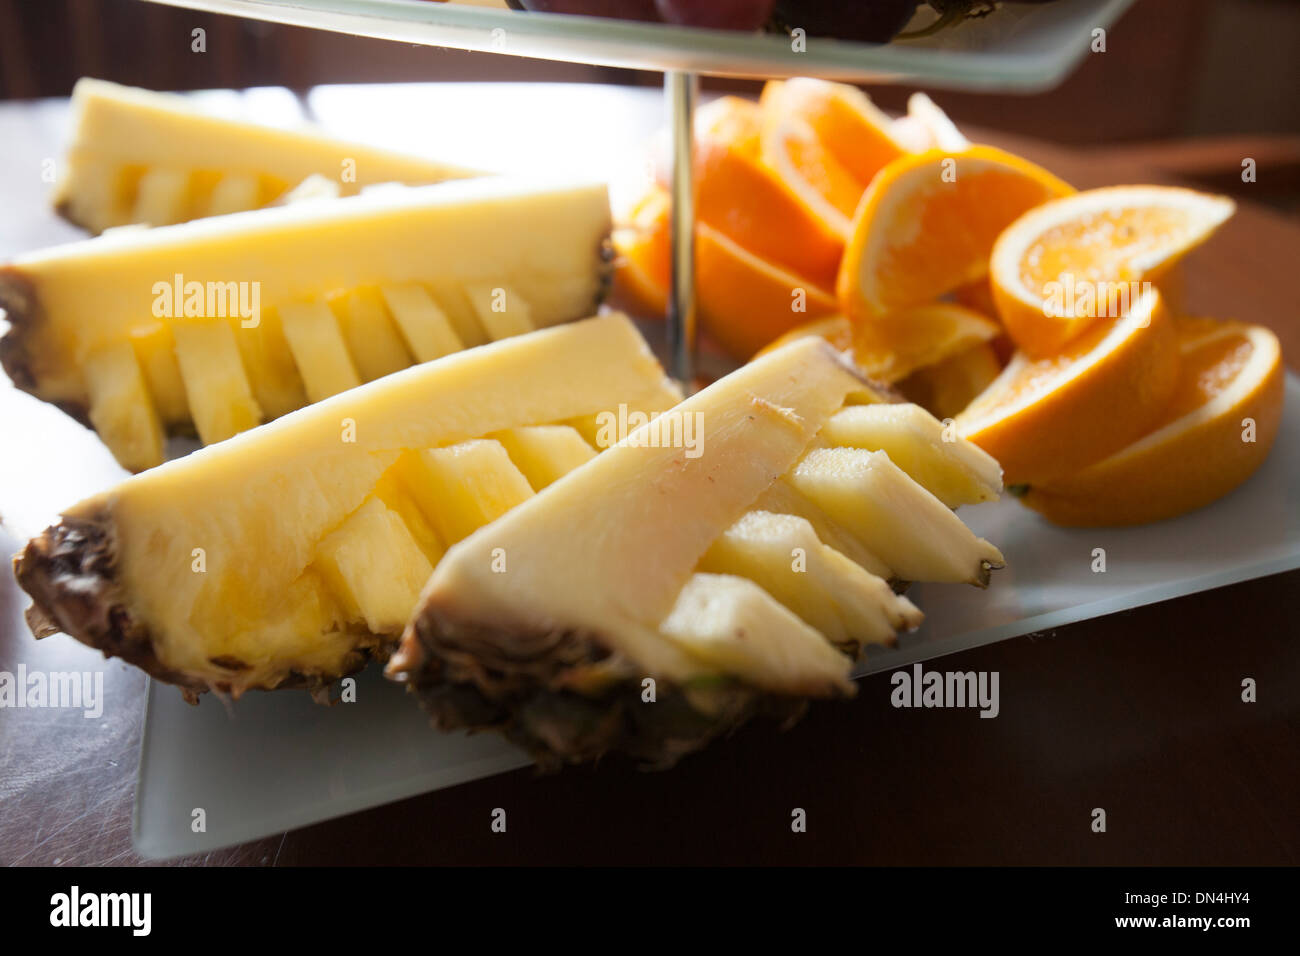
pixel 825 186
pixel 928 222
pixel 857 138
pixel 1061 265
pixel 1045 419
pixel 893 347
pixel 643 253
pixel 747 202
pixel 745 301
pixel 945 388
pixel 1197 452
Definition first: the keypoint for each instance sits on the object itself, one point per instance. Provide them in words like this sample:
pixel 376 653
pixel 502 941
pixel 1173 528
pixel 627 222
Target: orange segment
pixel 947 387
pixel 928 222
pixel 1195 453
pixel 834 329
pixel 808 169
pixel 853 130
pixel 643 265
pixel 1044 419
pixel 892 347
pixel 740 197
pixel 1082 257
pixel 744 301
pixel 927 127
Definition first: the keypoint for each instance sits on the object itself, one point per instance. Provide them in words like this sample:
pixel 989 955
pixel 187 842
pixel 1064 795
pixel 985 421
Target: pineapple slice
pixel 375 567
pixel 648 562
pixel 955 471
pixel 162 197
pixel 545 453
pixel 426 328
pixel 318 349
pixel 393 263
pixel 155 348
pixel 500 311
pixel 218 392
pixel 121 408
pixel 371 336
pixel 849 605
pixel 468 485
pixel 283 556
pixel 911 530
pixel 120 129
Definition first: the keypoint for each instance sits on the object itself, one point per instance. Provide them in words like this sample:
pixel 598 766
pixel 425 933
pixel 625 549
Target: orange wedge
pixel 945 388
pixel 893 347
pixel 928 222
pixel 744 200
pixel 1081 257
pixel 643 252
pixel 1045 419
pixel 745 301
pixel 1197 452
pixel 835 144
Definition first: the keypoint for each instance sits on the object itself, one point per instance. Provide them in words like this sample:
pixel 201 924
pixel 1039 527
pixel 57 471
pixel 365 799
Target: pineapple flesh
pixel 292 553
pixel 741 579
pixel 257 314
pixel 153 158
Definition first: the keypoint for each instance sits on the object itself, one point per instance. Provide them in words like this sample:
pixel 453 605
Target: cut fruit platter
pixel 439 439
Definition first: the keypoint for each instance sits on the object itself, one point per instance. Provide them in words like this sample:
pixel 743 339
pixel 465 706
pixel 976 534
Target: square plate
pixel 277 761
pixel 1023 47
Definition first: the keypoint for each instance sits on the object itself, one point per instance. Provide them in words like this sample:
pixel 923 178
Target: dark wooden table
pixel 1139 712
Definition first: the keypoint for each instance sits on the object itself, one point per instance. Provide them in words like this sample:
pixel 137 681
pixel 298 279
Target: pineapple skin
pixel 71 573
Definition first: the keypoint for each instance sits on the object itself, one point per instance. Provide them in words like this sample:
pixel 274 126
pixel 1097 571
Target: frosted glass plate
pixel 1026 47
pixel 277 761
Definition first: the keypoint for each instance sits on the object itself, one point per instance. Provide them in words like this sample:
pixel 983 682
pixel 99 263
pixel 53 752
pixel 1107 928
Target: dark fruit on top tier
pixel 868 21
pixel 716 14
pixel 619 9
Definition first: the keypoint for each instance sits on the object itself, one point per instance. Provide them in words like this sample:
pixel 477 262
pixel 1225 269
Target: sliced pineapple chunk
pixel 649 571
pixel 155 348
pixel 545 453
pixel 372 338
pixel 121 408
pixel 911 530
pixel 424 325
pixel 783 555
pixel 469 485
pixel 404 251
pixel 782 498
pixel 374 566
pixel 118 127
pixel 233 193
pixel 733 626
pixel 500 310
pixel 162 197
pixel 209 572
pixel 955 471
pixel 216 387
pixel 318 349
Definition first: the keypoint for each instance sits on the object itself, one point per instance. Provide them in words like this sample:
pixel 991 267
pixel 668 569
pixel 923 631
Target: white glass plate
pixel 1021 47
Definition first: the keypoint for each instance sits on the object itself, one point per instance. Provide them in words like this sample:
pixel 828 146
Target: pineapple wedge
pixel 289 555
pixel 143 157
pixel 317 297
pixel 652 563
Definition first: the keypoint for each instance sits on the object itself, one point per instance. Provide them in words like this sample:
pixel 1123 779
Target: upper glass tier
pixel 1019 47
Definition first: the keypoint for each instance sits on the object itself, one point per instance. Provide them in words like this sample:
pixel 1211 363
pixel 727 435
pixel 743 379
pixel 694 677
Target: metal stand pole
pixel 680 91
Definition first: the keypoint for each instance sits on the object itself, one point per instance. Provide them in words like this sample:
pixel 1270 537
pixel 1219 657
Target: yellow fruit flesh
pixel 219 395
pixel 269 594
pixel 679 519
pixel 120 407
pixel 397 286
pixel 138 156
pixel 545 453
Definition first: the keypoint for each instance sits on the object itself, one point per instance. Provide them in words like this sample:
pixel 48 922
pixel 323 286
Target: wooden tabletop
pixel 1138 712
